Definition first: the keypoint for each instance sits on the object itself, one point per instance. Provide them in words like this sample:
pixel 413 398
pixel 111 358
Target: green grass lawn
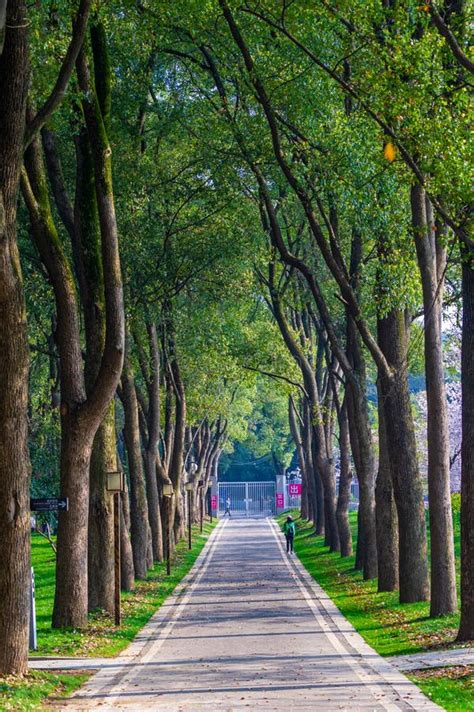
pixel 389 627
pixel 102 637
pixel 452 688
pixel 30 692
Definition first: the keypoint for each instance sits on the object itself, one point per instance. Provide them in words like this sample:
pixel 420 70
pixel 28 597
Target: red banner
pixel 294 489
pixel 280 500
pixel 214 501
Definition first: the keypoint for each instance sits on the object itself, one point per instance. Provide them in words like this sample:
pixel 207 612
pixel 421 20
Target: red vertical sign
pixel 214 501
pixel 294 489
pixel 280 500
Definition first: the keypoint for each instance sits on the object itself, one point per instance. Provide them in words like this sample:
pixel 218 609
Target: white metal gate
pixel 247 499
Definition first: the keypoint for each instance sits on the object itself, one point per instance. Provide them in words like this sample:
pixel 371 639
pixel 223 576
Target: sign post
pixel 33 637
pixel 49 504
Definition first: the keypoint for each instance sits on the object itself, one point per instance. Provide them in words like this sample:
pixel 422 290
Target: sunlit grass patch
pixel 31 691
pixel 451 687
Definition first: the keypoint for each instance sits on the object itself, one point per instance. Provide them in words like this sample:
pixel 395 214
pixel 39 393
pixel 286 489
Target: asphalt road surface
pixel 248 629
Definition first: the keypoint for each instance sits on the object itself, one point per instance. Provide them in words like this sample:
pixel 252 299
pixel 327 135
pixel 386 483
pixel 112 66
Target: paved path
pixel 248 629
pixel 434 659
pixel 415 661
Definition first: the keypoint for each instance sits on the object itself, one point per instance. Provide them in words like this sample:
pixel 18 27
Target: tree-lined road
pixel 248 629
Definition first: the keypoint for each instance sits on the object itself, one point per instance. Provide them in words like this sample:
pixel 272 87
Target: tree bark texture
pixel 431 263
pixel 153 464
pixel 86 242
pixel 466 627
pixel 363 454
pixel 139 513
pixel 76 437
pixel 14 458
pixel 314 496
pixel 71 579
pixel 386 514
pixel 401 446
pixel 127 570
pixel 101 517
pixel 295 429
pixel 345 479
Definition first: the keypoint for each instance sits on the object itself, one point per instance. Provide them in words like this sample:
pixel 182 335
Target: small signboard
pixel 214 502
pixel 294 489
pixel 49 504
pixel 280 500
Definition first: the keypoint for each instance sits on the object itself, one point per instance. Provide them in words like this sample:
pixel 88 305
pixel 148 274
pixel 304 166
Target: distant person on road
pixel 227 507
pixel 289 528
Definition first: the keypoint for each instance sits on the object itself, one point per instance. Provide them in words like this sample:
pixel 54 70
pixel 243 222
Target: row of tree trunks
pixel 401 443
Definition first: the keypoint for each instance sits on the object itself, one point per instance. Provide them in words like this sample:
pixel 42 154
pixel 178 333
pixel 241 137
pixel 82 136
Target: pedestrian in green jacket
pixel 289 528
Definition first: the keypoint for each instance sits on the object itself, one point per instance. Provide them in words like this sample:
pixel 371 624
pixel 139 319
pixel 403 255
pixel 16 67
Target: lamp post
pixel 115 485
pixel 189 489
pixel 168 494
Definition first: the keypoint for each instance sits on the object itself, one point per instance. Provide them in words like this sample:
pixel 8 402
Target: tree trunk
pixel 70 600
pixel 176 525
pixel 14 459
pixel 302 459
pixel 76 438
pixel 431 262
pixel 71 579
pixel 313 514
pixel 88 263
pixel 139 514
pixel 466 628
pixel 154 512
pixel 386 514
pixel 363 454
pixel 401 446
pixel 345 479
pixel 101 517
pixel 330 502
pixel 127 570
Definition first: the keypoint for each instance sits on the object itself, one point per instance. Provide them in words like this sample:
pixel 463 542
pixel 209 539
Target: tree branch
pixel 451 40
pixel 56 96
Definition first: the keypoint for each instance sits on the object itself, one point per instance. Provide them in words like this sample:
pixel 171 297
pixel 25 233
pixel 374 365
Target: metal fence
pixel 247 499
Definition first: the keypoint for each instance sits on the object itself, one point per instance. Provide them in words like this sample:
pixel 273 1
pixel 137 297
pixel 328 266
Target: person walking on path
pixel 289 528
pixel 227 507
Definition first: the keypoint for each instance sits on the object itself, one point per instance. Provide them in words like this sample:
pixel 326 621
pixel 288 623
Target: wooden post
pixel 118 617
